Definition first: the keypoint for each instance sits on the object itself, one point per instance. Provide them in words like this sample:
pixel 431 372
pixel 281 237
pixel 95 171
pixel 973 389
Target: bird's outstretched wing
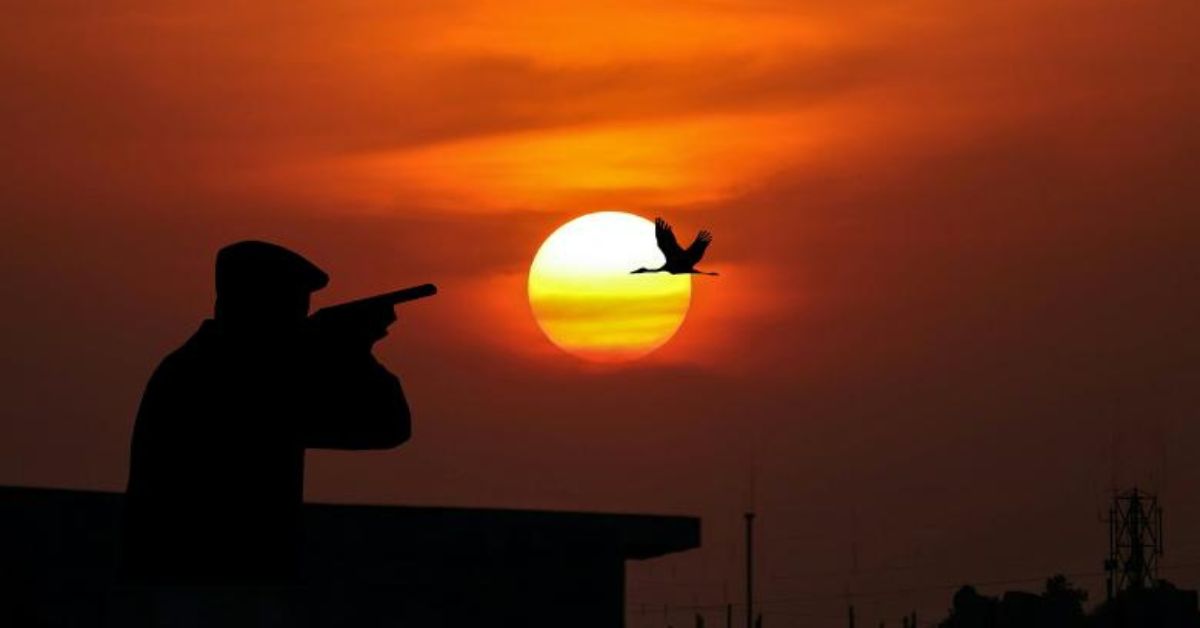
pixel 666 240
pixel 699 245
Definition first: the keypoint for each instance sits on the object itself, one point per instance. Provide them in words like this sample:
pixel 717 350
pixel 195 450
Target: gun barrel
pixel 396 297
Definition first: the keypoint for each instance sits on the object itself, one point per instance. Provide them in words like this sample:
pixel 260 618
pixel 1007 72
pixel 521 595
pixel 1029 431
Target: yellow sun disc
pixel 587 302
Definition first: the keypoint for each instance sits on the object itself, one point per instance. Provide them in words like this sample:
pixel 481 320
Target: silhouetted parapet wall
pixel 362 565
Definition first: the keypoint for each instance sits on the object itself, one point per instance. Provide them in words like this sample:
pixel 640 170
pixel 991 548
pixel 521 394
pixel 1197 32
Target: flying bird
pixel 680 261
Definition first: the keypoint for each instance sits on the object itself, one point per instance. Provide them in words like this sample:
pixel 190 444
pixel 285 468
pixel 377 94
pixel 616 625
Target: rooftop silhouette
pixel 357 566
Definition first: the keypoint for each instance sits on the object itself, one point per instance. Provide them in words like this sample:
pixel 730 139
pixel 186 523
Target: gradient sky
pixel 959 246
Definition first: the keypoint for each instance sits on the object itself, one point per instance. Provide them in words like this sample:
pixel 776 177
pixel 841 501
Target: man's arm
pixel 357 404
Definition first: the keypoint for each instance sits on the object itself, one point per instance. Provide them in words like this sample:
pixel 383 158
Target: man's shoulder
pixel 195 351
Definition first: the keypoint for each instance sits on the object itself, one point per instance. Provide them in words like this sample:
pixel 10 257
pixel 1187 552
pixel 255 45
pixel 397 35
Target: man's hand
pixel 353 327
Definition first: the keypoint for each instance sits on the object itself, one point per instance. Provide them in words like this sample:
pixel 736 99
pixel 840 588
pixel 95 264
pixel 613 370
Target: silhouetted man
pixel 216 473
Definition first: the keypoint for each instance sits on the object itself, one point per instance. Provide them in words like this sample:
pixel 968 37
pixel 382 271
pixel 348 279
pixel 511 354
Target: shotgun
pixel 397 297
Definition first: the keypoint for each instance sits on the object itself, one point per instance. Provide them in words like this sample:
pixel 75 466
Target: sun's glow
pixel 587 302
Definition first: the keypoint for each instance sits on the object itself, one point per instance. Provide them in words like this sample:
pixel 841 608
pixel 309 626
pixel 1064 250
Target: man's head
pixel 263 286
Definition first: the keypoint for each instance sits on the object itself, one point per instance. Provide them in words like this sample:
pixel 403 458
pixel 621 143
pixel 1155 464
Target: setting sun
pixel 587 302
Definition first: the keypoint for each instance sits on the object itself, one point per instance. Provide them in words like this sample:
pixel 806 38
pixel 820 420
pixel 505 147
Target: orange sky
pixel 958 245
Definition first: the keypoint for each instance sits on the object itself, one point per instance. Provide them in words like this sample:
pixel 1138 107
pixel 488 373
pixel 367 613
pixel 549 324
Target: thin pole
pixel 749 570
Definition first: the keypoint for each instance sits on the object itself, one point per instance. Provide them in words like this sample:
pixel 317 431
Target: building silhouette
pixel 361 566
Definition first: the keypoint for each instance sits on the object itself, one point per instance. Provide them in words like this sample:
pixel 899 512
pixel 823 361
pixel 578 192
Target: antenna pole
pixel 749 569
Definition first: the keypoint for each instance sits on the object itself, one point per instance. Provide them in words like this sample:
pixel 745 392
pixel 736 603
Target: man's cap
pixel 254 266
